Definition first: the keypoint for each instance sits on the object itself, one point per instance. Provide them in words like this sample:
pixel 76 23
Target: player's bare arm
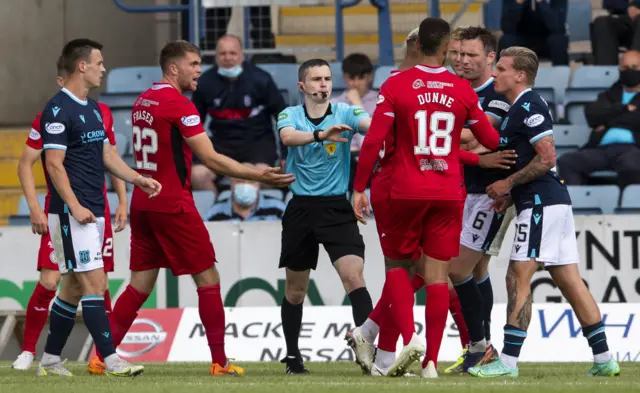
pixel 121 211
pixel 54 160
pixel 219 163
pixel 117 167
pixel 25 173
pixel 468 138
pixel 292 137
pixel 544 160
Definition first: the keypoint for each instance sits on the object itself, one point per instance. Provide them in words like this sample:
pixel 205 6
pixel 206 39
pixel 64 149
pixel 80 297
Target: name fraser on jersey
pixel 142 115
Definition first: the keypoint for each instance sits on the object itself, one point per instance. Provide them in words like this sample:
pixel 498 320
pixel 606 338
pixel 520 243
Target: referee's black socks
pixel 361 305
pixel 291 315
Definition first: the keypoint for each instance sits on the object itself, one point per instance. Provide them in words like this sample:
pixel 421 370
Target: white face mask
pixel 245 194
pixel 232 72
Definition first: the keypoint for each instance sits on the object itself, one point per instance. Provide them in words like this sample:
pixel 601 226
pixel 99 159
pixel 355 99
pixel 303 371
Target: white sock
pixel 49 359
pixel 480 346
pixel 385 359
pixel 111 360
pixel 602 357
pixel 510 361
pixel 370 330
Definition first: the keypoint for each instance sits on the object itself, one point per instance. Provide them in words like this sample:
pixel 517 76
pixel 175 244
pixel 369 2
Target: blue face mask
pixel 232 72
pixel 245 194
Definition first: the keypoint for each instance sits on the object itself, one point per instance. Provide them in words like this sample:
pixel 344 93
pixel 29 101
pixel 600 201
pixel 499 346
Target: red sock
pixel 456 312
pixel 212 317
pixel 417 282
pixel 37 313
pixel 436 311
pixel 397 288
pixel 389 333
pixel 125 312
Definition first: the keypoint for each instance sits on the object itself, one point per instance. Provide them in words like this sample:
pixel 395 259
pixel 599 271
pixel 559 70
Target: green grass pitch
pixel 325 377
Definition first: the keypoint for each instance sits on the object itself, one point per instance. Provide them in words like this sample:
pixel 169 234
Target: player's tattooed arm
pixel 544 160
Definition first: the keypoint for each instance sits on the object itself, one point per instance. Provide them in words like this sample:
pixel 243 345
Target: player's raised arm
pixel 292 137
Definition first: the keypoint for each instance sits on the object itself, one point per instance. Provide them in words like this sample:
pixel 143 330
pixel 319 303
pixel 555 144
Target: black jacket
pixel 609 111
pixel 618 7
pixel 243 110
pixel 533 18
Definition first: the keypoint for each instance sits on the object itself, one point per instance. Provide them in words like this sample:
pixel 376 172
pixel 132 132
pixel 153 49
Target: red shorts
pixel 179 242
pixel 432 227
pixel 45 254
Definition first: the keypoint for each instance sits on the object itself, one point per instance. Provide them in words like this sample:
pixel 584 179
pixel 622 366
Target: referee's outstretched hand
pixel 361 202
pixel 333 133
pixel 273 177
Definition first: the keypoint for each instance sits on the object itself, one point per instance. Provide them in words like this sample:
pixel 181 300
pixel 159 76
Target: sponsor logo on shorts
pixel 54 128
pixel 282 116
pixel 534 120
pixel 518 248
pixel 85 256
pixel 475 237
pixel 500 105
pixel 190 121
pixel 34 135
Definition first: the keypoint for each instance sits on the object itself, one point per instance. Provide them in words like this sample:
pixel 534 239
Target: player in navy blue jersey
pixel 76 156
pixel 545 231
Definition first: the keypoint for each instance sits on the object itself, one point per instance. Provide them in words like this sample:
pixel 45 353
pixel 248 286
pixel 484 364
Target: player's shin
pixel 62 319
pixel 436 310
pixel 397 287
pixel 213 319
pixel 36 318
pixel 458 317
pixel 484 285
pixel 97 322
pixel 125 312
pixel 471 302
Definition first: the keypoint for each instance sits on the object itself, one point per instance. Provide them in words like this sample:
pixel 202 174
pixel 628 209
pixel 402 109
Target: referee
pixel 318 136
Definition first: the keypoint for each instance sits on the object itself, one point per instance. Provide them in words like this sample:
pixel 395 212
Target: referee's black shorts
pixel 310 221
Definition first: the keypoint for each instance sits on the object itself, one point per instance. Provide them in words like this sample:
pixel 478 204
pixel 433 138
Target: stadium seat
pixel 588 82
pixel 285 77
pixel 122 142
pixel 381 75
pixel 551 83
pixel 577 14
pixel 570 135
pixel 23 206
pixel 203 200
pixel 630 200
pixel 223 196
pixel 112 199
pixel 560 150
pixel 132 79
pixel 272 193
pixel 594 199
pixel 336 77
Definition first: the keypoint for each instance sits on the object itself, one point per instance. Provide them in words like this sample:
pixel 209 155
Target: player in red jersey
pixel 45 290
pixel 168 232
pixel 427 107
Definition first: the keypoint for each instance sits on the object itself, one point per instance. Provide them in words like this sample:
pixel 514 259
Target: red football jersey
pixel 427 107
pixel 34 141
pixel 162 118
pixel 387 148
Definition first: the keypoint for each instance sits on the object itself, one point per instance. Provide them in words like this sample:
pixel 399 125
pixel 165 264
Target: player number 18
pixel 150 146
pixel 437 132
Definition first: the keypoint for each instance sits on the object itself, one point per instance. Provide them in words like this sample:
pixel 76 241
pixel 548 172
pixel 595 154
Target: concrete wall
pixel 34 32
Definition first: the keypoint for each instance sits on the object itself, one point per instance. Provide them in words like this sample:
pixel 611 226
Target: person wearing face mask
pixel 242 100
pixel 246 204
pixel 614 143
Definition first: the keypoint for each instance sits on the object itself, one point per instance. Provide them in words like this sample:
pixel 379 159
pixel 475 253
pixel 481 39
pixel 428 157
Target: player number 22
pixel 437 132
pixel 150 146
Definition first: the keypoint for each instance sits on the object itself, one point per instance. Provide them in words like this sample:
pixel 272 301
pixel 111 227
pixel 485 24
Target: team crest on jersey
pixel 331 148
pixel 217 102
pixel 504 124
pixel 95 111
pixel 247 100
pixel 380 99
pixel 418 83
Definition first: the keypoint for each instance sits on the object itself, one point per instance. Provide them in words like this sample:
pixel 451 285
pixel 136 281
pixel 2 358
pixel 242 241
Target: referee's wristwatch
pixel 316 136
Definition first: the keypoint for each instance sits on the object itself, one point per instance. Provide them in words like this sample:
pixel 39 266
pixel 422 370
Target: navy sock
pixel 471 302
pixel 97 322
pixel 62 319
pixel 361 305
pixel 486 290
pixel 513 340
pixel 596 337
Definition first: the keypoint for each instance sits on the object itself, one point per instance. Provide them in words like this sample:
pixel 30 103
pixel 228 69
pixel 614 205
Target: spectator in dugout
pixel 242 100
pixel 619 28
pixel 539 25
pixel 246 204
pixel 614 143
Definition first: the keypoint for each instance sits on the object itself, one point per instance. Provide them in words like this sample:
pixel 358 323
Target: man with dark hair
pixel 77 153
pixel 317 136
pixel 545 232
pixel 168 232
pixel 428 107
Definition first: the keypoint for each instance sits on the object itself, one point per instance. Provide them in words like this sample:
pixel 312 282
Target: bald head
pixel 229 51
pixel 630 70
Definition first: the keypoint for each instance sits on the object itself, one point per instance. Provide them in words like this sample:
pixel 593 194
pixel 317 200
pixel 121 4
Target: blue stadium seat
pixel 122 142
pixel 578 14
pixel 272 193
pixel 594 199
pixel 336 76
pixel 570 135
pixel 223 196
pixel 132 79
pixel 381 75
pixel 203 200
pixel 588 81
pixel 630 200
pixel 285 77
pixel 23 206
pixel 551 83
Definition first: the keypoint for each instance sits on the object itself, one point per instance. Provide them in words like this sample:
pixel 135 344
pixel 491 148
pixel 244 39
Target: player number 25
pixel 435 121
pixel 150 146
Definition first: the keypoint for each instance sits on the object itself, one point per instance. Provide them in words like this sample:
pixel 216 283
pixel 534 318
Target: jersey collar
pixel 73 97
pixel 160 85
pixel 320 119
pixel 484 85
pixel 431 69
pixel 525 91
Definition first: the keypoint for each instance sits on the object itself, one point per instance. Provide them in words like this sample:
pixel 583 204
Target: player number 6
pixel 435 120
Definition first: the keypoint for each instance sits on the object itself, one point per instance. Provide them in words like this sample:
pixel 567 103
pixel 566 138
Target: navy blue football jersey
pixel 477 179
pixel 75 126
pixel 527 122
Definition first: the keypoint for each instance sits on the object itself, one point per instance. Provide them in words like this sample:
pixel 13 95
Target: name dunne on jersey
pixel 431 97
pixel 143 116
